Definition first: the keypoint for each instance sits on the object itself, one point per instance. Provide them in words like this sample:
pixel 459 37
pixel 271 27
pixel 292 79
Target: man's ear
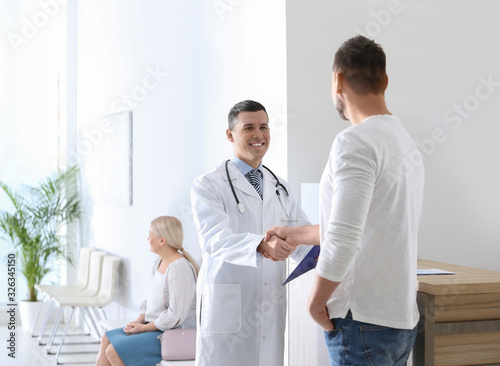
pixel 340 81
pixel 229 135
pixel 386 81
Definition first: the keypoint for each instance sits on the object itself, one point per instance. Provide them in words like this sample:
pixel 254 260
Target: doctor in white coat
pixel 241 301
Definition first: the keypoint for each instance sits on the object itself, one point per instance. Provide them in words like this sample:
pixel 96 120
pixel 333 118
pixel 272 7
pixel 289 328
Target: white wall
pixel 243 57
pixel 31 60
pixel 140 56
pixel 214 57
pixel 438 54
pixel 32 50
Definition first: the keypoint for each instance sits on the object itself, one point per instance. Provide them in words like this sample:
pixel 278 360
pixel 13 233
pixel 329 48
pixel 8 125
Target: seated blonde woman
pixel 170 303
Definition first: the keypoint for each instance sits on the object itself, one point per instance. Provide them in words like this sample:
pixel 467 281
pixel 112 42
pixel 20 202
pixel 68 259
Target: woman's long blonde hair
pixel 171 229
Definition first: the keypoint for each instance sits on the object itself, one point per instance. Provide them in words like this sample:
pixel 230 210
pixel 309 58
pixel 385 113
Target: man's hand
pixel 321 292
pixel 307 235
pixel 275 248
pixel 283 232
pixel 320 316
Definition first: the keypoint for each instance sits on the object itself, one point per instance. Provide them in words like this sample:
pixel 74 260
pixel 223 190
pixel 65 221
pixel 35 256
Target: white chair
pixel 101 299
pixel 82 278
pixel 94 283
pixel 80 283
pixel 176 363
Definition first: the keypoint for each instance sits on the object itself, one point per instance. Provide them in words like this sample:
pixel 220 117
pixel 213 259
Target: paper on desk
pixel 425 272
pixel 305 265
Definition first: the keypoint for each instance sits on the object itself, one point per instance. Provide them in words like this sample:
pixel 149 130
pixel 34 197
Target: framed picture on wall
pixel 116 158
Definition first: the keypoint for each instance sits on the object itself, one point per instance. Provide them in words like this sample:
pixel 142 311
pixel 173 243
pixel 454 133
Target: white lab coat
pixel 241 305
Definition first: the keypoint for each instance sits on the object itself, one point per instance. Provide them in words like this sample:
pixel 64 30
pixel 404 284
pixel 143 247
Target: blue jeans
pixel 357 344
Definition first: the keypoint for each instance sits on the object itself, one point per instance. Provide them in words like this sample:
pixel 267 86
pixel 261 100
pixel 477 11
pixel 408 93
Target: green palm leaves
pixel 36 224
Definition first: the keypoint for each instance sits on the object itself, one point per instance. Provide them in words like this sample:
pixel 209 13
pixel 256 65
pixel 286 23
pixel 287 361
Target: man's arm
pixel 306 235
pixel 353 176
pixel 321 291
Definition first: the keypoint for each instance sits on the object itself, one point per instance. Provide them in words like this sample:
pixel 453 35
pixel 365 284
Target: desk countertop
pixel 466 280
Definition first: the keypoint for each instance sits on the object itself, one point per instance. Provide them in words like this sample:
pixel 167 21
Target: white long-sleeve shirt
pixel 370 208
pixel 171 301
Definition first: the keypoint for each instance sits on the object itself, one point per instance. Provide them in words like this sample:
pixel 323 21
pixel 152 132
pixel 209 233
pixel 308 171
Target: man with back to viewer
pixel 371 192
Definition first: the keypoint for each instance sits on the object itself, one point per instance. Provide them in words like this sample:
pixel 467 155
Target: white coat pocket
pixel 220 308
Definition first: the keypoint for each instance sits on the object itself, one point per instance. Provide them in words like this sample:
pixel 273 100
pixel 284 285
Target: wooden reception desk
pixel 460 317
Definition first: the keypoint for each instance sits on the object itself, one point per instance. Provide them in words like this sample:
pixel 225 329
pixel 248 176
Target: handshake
pixel 278 244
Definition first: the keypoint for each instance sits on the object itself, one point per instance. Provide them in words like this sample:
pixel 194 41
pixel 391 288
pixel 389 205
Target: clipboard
pixel 309 262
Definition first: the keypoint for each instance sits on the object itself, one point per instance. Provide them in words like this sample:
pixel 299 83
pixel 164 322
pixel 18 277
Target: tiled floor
pixel 29 353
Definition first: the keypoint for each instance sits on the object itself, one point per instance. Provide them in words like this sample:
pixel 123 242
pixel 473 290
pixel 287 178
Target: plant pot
pixel 28 311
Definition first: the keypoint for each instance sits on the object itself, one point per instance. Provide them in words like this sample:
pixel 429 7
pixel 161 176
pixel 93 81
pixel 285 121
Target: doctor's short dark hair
pixel 362 63
pixel 244 106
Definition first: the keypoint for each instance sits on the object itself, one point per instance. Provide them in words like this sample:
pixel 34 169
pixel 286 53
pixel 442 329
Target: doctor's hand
pixel 276 248
pixel 283 232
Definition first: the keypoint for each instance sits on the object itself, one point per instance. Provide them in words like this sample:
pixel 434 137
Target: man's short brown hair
pixel 362 63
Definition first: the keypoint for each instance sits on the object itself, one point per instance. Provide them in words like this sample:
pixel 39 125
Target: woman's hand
pixel 139 327
pixel 140 320
pixel 133 322
pixel 135 328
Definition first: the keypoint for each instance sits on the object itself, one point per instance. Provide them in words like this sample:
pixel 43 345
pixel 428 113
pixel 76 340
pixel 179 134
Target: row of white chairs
pixel 93 289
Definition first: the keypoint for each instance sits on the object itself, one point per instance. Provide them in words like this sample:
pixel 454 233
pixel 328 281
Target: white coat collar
pixel 240 183
pixel 269 186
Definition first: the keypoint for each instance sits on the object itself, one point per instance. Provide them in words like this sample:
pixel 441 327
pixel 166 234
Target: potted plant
pixel 35 224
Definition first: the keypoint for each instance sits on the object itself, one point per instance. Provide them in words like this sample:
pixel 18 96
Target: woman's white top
pixel 171 302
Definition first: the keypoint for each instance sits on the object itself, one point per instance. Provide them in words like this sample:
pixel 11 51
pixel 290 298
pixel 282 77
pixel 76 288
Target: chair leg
pixel 96 314
pixel 36 318
pixel 87 324
pixel 103 313
pixel 97 318
pixel 53 341
pixel 45 322
pixel 94 325
pixel 64 335
pixel 54 330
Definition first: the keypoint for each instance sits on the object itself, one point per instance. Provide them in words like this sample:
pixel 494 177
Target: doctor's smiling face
pixel 250 137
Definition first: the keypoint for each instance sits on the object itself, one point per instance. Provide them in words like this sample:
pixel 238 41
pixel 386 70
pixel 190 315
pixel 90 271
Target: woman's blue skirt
pixel 143 349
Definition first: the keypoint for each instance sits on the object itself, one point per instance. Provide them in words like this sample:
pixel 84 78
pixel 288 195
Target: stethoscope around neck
pixel 278 184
